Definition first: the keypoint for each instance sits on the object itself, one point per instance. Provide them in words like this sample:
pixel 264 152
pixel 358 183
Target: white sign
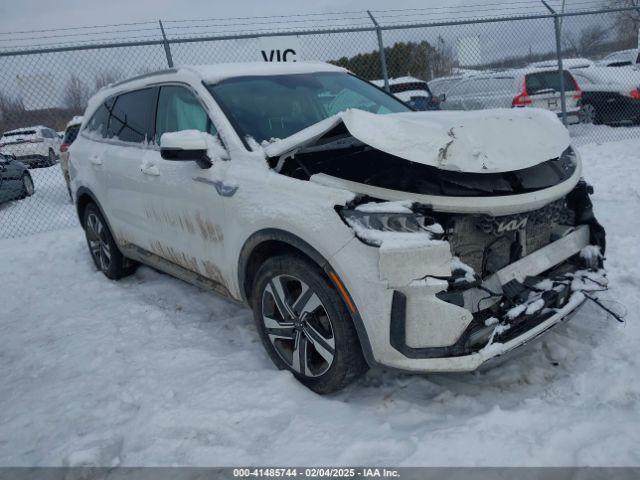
pixel 39 91
pixel 469 51
pixel 280 49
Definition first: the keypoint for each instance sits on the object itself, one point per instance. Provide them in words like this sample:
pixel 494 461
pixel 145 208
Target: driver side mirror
pixel 443 97
pixel 185 146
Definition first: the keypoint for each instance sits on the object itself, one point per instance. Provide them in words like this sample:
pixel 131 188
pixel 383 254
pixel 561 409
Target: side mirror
pixel 443 97
pixel 185 146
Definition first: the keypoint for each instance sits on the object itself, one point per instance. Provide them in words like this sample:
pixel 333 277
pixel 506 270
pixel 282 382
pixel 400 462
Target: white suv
pixel 34 146
pixel 359 232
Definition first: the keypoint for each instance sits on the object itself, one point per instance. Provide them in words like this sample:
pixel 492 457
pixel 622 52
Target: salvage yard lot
pixel 151 371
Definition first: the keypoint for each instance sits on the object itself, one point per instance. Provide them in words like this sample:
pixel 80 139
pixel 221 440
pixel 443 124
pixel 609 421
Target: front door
pixel 181 203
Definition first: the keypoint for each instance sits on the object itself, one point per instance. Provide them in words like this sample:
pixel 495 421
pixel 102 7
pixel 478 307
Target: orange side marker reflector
pixel 343 292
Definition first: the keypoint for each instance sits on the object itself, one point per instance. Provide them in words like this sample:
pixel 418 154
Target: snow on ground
pixel 47 209
pixel 151 371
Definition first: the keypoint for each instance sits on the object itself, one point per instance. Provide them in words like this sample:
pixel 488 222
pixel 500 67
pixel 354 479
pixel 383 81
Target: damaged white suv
pixel 359 232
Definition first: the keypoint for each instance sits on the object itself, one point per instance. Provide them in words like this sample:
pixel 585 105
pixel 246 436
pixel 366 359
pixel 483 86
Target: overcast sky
pixel 47 14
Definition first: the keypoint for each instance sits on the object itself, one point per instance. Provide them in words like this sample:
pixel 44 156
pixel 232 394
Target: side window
pixel 100 119
pixel 179 109
pixel 459 89
pixel 131 116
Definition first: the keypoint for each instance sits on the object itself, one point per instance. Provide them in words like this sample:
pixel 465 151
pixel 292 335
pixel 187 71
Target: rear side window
pixel 548 80
pixel 131 116
pixel 178 110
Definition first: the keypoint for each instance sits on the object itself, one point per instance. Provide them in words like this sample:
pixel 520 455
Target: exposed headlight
pixel 375 227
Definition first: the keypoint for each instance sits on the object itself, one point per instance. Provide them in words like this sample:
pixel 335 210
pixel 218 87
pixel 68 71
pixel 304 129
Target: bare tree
pixel 11 109
pixel 105 78
pixel 627 22
pixel 76 94
pixel 587 41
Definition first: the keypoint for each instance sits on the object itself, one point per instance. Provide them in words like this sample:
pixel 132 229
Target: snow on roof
pixel 22 129
pixel 220 71
pixel 397 81
pixel 76 120
pixel 566 63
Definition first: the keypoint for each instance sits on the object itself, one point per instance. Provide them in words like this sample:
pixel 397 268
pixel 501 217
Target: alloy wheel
pixel 98 242
pixel 587 113
pixel 298 325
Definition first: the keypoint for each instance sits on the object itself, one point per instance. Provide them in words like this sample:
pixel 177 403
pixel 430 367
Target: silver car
pixel 538 88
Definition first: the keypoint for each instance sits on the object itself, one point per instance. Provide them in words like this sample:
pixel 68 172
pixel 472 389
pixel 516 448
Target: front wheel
pixel 104 251
pixel 27 185
pixel 305 325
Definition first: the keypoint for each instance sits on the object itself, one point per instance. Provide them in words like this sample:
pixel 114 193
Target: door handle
pixel 150 170
pixel 96 159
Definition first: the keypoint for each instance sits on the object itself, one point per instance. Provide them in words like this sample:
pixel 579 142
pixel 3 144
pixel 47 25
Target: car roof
pixel 398 81
pixel 211 73
pixel 76 120
pixel 23 129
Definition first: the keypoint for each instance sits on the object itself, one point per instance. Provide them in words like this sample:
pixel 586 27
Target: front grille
pixel 490 243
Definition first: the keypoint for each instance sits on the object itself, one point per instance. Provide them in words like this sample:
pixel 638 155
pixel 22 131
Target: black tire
pixel 102 248
pixel 27 185
pixel 51 158
pixel 327 325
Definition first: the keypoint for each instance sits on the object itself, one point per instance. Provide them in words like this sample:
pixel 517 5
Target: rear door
pixel 128 133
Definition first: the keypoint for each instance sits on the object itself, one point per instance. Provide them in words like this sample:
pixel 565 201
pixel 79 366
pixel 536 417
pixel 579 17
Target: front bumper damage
pixel 432 323
pixel 492 332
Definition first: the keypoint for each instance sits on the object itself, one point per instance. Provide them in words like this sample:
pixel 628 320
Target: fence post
pixel 383 57
pixel 556 26
pixel 167 48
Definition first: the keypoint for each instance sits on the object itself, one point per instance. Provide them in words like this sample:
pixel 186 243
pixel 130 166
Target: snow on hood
pixel 481 141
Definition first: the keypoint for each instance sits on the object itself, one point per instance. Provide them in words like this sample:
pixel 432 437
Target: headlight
pixel 371 227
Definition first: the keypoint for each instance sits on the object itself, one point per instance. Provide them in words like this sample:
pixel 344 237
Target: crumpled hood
pixel 480 141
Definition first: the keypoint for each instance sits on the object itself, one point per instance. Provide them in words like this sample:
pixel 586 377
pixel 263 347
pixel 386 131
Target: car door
pixel 130 126
pixel 454 98
pixel 181 200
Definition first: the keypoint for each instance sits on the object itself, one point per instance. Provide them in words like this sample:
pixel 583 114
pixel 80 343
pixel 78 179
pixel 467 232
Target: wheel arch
pixel 84 197
pixel 266 243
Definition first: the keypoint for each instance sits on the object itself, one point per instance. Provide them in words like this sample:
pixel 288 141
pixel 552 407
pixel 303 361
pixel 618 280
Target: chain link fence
pixel 582 65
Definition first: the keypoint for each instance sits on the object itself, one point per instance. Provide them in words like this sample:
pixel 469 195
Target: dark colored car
pixel 609 95
pixel 15 179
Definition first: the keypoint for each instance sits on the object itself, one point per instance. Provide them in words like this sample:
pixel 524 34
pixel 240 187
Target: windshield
pixel 277 106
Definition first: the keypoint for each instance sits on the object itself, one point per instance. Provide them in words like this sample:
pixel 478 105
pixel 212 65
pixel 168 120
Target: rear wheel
pixel 589 114
pixel 304 324
pixel 104 251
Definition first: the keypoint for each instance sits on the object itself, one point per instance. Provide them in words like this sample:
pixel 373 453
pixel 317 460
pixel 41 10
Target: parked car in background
pixel 15 179
pixel 440 85
pixel 359 231
pixel 515 88
pixel 34 146
pixel 70 134
pixel 609 95
pixel 622 58
pixel 412 91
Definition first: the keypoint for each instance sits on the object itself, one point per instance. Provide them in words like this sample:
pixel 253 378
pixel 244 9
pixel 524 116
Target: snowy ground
pixel 151 371
pixel 49 208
